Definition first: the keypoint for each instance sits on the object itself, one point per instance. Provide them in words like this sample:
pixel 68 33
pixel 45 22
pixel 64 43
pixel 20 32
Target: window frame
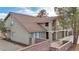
pixel 12 23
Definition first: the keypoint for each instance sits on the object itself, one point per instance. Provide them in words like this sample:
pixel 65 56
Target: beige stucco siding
pixel 7 25
pixel 8 21
pixel 18 33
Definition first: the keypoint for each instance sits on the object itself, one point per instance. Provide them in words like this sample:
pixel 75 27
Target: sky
pixel 33 11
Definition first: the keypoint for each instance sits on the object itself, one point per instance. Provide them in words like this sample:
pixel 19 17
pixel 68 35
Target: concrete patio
pixel 9 46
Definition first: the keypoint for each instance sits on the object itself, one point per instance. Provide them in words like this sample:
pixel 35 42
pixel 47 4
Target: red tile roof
pixel 31 23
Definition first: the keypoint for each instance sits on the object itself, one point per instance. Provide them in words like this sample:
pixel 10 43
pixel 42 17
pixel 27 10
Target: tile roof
pixel 31 23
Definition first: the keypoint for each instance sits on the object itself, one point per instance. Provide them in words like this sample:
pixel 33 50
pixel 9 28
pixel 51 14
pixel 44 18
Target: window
pixel 13 34
pixel 46 24
pixel 12 23
pixel 62 34
pixel 53 22
pixel 37 34
pixel 47 35
pixel 33 34
pixel 66 33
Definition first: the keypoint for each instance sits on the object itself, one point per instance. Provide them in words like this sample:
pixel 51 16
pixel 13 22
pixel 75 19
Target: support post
pixel 50 31
pixel 33 40
pixel 56 36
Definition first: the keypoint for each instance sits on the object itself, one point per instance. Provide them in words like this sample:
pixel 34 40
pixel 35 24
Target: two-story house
pixel 27 29
pixel 30 30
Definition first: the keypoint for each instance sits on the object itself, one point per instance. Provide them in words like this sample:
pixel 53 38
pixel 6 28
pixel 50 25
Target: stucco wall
pixel 21 35
pixel 7 24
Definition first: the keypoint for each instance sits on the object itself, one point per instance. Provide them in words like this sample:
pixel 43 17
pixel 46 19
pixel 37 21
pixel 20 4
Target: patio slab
pixel 9 46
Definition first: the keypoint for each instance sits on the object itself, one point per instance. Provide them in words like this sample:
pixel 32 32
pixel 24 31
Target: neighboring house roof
pixel 31 23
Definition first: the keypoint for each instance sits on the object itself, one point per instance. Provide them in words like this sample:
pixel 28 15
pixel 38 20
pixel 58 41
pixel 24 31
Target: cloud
pixel 3 15
pixel 29 11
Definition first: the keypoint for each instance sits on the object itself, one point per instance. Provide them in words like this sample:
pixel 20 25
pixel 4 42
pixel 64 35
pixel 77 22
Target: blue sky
pixel 25 10
pixel 14 9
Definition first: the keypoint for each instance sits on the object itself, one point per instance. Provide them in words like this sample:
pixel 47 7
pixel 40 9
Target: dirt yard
pixel 74 48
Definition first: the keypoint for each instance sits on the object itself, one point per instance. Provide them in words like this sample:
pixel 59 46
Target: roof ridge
pixel 27 15
pixel 21 14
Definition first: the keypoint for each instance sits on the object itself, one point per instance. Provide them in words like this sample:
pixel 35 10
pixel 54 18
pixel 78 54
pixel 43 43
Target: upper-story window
pixel 54 23
pixel 46 24
pixel 12 23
